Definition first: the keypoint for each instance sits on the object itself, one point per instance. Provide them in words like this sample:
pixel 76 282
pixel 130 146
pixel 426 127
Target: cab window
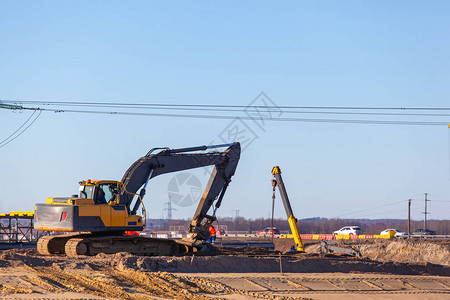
pixel 86 191
pixel 106 191
pixel 109 190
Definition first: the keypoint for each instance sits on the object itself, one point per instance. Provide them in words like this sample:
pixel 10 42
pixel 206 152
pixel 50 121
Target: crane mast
pixel 278 181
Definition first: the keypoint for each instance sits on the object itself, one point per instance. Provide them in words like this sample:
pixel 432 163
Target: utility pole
pixel 169 209
pixel 237 213
pixel 425 219
pixel 409 218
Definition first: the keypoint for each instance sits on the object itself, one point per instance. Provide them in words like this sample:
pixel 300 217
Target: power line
pixel 248 109
pixel 438 200
pixel 260 118
pixel 9 106
pixel 260 113
pixel 5 142
pixel 18 128
pixel 380 213
pixel 433 200
pixel 363 210
pixel 225 106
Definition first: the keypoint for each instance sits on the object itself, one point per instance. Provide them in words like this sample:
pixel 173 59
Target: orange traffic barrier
pixel 340 237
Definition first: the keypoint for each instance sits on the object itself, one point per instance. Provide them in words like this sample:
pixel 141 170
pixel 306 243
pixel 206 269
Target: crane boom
pixel 276 172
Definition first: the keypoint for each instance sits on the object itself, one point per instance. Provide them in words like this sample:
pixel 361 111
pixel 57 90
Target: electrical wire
pixel 381 213
pixel 429 200
pixel 279 119
pixel 248 109
pixel 253 112
pixel 18 128
pixel 5 142
pixel 368 209
pixel 225 106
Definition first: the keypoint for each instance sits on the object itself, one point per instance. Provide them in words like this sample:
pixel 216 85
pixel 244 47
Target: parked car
pixel 348 230
pixel 424 231
pixel 398 233
pixel 268 231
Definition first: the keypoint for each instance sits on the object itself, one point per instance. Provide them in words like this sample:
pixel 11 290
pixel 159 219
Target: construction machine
pixel 104 210
pixel 278 181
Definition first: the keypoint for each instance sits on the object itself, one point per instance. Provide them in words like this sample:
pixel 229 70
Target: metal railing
pixel 17 228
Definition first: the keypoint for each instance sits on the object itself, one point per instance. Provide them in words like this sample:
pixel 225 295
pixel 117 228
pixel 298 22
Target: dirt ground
pixel 399 269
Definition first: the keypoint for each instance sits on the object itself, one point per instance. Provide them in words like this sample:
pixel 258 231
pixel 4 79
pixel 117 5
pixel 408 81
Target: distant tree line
pixel 311 225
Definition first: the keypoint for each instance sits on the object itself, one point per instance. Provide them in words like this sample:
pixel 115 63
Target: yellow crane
pixel 278 181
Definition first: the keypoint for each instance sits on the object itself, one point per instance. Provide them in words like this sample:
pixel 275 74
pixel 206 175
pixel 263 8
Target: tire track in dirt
pixel 163 284
pixel 129 284
pixel 220 288
pixel 83 284
pixel 44 283
pixel 9 289
pixel 294 285
pixel 159 284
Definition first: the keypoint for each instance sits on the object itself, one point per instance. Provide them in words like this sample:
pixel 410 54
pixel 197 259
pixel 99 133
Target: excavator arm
pixel 174 160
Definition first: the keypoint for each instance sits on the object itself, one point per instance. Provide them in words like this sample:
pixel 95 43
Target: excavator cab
pixel 102 192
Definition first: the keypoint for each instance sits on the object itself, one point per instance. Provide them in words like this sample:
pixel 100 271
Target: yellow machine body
pixel 87 214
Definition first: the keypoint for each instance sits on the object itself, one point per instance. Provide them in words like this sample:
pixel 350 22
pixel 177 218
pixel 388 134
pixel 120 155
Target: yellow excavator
pixel 278 181
pixel 98 218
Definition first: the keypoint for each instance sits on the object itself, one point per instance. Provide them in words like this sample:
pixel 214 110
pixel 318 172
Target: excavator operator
pixel 101 196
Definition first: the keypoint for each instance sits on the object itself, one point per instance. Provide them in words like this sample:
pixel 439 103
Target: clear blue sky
pixel 301 53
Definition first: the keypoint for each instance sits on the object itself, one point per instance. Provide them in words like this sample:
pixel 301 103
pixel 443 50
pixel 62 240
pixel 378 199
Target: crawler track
pixel 48 245
pixel 87 244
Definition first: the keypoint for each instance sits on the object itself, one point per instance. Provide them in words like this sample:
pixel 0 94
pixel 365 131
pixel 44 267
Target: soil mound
pixel 408 251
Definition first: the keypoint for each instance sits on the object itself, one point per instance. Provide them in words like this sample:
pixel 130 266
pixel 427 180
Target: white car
pixel 348 230
pixel 398 233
